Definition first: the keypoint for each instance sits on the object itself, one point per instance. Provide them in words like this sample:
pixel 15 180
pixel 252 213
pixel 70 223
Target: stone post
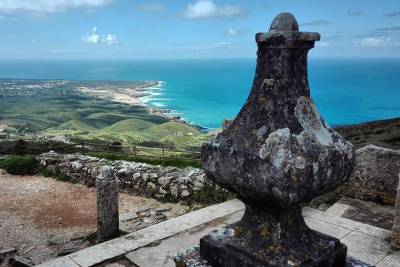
pixel 107 205
pixel 396 224
pixel 277 155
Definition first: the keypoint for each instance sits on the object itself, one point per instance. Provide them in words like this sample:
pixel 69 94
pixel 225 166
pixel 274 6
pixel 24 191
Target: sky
pixel 169 29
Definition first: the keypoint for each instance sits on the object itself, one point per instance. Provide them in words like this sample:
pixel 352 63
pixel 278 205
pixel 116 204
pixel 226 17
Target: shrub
pixel 20 165
pixel 57 174
pixel 210 195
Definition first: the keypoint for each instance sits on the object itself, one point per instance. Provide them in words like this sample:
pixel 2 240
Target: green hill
pixel 76 125
pixel 170 129
pixel 129 125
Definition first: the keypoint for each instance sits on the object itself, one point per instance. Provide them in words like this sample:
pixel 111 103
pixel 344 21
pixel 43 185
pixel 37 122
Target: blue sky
pixel 138 29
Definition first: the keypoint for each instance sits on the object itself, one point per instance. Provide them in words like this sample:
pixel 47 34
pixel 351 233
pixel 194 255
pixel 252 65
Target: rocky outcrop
pixel 140 178
pixel 375 176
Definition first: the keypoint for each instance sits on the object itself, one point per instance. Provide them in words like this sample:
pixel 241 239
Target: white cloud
pixel 208 9
pixel 232 32
pixel 96 39
pixel 93 38
pixel 48 6
pixel 111 39
pixel 376 42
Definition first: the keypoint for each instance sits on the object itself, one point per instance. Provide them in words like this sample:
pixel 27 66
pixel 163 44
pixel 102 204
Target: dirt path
pixel 42 217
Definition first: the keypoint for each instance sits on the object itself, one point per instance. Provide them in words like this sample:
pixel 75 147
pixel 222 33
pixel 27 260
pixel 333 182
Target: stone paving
pixel 159 244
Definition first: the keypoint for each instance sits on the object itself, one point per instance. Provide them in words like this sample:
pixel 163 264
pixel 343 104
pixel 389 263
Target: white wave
pixel 158 104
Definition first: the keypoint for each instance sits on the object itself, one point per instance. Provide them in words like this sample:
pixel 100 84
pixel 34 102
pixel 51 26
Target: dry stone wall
pixel 375 176
pixel 143 179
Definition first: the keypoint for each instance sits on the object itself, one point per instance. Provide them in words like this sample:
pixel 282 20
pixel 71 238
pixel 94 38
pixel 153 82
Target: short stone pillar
pixel 396 224
pixel 107 205
pixel 277 155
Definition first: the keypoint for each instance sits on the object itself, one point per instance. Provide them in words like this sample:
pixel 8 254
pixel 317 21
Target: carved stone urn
pixel 277 155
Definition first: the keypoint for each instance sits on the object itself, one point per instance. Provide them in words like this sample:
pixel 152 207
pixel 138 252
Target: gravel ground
pixel 42 217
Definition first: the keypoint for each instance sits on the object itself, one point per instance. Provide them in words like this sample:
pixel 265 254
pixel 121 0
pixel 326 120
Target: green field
pixel 49 109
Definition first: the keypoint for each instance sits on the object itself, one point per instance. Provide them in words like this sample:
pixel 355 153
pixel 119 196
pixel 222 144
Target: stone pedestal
pixel 276 155
pixel 107 205
pixel 262 238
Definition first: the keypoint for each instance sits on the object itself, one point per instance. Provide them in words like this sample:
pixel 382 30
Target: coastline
pixel 128 95
pixel 140 95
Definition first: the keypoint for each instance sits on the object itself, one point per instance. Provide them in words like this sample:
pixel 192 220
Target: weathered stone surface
pixel 375 176
pixel 284 22
pixel 278 142
pixel 277 155
pixel 107 205
pixel 140 178
pixel 265 239
pixel 396 225
pixel 191 258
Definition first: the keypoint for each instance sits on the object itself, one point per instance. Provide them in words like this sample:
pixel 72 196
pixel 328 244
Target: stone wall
pixel 375 176
pixel 143 179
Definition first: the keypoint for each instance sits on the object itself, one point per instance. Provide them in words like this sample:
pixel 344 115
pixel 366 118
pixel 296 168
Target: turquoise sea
pixel 205 92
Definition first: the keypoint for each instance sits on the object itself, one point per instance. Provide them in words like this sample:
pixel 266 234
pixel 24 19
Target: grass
pixel 171 128
pixel 76 125
pixel 129 125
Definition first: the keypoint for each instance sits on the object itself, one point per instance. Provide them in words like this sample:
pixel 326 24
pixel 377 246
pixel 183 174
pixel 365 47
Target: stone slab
pixel 337 209
pixel 120 246
pixel 365 247
pixel 346 223
pixel 60 262
pixel 327 228
pixel 163 254
pixel 393 260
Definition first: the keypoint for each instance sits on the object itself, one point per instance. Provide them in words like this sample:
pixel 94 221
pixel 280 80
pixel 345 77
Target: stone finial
pixel 276 155
pixel 284 22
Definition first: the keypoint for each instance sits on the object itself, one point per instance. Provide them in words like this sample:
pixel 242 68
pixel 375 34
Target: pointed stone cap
pixel 284 22
pixel 106 175
pixel 285 25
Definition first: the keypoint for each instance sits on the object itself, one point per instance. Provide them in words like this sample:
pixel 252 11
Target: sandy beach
pixel 137 95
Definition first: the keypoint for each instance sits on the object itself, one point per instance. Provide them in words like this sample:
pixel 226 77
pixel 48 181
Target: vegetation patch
pixel 209 195
pixel 20 165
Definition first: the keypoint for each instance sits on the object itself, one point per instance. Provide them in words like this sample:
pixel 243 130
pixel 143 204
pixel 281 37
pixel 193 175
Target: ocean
pixel 205 92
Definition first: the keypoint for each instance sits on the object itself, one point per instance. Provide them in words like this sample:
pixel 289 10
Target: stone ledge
pixel 185 231
pixel 120 246
pixel 346 223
